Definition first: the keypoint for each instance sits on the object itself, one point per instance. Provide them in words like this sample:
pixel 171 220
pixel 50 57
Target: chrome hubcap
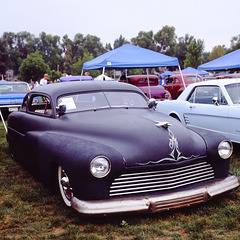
pixel 66 185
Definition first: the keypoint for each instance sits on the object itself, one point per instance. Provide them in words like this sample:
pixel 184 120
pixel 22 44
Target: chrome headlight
pixel 100 167
pixel 225 149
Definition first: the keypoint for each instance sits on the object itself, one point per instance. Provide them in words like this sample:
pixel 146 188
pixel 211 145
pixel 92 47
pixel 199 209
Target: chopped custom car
pixel 107 151
pixel 211 105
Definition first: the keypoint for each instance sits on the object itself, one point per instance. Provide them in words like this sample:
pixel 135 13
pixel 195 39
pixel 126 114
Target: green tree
pixel 217 52
pixel 50 48
pixel 3 57
pixel 76 68
pixel 235 43
pixel 93 45
pixel 33 67
pixel 68 59
pixel 108 47
pixel 165 40
pixel 194 57
pixel 181 48
pixel 144 40
pixel 54 75
pixel 119 42
pixel 19 45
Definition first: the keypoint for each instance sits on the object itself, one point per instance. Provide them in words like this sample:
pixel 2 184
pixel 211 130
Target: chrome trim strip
pixel 160 176
pixel 156 188
pixel 167 170
pixel 157 180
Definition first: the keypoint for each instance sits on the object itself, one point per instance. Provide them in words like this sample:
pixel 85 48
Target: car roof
pixel 141 76
pixel 219 82
pixel 57 89
pixel 11 83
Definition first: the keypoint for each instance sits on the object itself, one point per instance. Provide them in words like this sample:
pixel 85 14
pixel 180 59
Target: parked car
pixel 11 96
pixel 142 80
pixel 232 75
pixel 213 105
pixel 75 78
pixel 107 150
pixel 175 85
pixel 209 78
pixel 156 91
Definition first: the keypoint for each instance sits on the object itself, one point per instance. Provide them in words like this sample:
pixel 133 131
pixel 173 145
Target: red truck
pixel 175 85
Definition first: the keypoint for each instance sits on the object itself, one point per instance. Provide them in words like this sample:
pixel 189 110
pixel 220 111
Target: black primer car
pixel 108 151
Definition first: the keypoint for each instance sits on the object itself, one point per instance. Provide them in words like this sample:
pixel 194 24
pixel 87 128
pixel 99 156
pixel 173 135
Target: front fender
pixel 212 140
pixel 74 155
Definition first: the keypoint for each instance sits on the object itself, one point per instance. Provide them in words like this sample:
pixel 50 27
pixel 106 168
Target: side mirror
pixel 61 109
pixel 152 103
pixel 215 101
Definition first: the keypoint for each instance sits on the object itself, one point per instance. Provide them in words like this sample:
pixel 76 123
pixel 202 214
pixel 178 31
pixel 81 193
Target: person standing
pixel 44 80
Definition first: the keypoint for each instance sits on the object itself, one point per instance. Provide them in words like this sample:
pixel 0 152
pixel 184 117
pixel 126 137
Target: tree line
pixel 30 56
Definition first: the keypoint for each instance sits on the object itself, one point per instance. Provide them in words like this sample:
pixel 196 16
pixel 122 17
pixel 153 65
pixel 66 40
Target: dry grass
pixel 29 211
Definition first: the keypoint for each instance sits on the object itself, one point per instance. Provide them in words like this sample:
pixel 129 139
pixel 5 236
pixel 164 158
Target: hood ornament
pixel 163 124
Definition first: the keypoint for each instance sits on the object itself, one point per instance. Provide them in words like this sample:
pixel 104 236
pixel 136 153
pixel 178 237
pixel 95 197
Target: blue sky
pixel 213 21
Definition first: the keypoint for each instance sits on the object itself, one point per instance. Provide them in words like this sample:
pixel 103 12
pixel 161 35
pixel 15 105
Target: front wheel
pixel 64 186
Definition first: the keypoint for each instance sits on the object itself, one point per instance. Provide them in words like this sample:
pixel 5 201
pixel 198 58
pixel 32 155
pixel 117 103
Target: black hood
pixel 140 135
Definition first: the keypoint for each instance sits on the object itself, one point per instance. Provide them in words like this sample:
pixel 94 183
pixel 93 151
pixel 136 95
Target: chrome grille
pixel 143 182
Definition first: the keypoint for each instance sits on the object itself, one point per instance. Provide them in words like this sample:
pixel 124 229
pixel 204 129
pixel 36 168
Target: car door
pixel 172 86
pixel 234 126
pixel 203 113
pixel 36 121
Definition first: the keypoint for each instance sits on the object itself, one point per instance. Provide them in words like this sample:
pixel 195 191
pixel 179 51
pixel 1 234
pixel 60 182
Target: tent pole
pixel 3 120
pixel 81 75
pixel 182 76
pixel 196 75
pixel 149 90
pixel 103 72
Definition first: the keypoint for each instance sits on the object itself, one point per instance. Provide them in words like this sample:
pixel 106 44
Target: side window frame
pixel 25 103
pixel 40 107
pixel 221 97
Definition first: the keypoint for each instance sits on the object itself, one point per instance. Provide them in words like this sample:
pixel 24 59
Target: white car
pixel 212 105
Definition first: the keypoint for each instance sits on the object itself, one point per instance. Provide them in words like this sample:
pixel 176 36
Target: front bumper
pixel 157 203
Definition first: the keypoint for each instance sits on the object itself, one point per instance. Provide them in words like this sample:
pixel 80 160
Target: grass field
pixel 29 211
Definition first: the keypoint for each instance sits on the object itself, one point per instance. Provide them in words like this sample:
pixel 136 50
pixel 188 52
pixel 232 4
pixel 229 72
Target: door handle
pixel 192 107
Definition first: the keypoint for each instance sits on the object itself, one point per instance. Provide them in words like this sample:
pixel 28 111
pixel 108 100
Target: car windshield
pixel 13 88
pixel 193 79
pixel 97 100
pixel 234 92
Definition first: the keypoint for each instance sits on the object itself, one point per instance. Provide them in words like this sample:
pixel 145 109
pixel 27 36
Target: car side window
pixel 40 104
pixel 24 103
pixel 205 95
pixel 193 79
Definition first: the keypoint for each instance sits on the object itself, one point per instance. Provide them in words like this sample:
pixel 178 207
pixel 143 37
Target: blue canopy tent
pixel 191 70
pixel 166 74
pixel 229 61
pixel 130 56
